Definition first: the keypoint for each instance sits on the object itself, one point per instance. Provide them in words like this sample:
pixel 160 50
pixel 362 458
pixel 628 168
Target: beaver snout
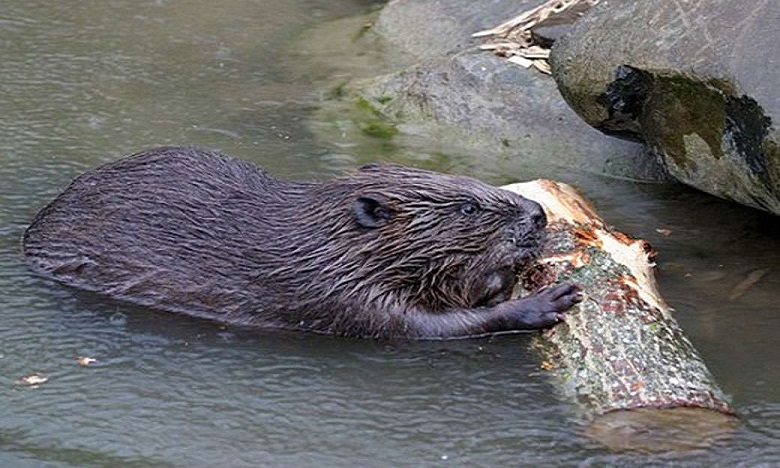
pixel 536 214
pixel 528 230
pixel 527 243
pixel 525 250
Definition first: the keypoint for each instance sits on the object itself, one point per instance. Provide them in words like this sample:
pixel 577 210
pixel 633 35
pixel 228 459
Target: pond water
pixel 86 82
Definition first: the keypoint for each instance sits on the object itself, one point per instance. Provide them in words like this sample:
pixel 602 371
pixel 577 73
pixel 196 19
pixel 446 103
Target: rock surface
pixel 430 29
pixel 484 102
pixel 481 100
pixel 697 80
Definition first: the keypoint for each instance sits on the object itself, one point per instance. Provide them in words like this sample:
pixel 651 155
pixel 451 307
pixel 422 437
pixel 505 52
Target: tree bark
pixel 620 350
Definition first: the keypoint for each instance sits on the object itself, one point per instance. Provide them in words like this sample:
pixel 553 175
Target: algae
pixel 379 129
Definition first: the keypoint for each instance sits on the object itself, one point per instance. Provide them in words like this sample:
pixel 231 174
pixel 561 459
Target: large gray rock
pixel 494 108
pixel 430 29
pixel 697 80
pixel 461 92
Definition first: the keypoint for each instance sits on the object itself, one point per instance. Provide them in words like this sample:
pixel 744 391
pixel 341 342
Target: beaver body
pixel 382 252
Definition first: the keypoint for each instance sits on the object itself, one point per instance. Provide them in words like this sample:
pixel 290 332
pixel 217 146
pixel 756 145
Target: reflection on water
pixel 84 82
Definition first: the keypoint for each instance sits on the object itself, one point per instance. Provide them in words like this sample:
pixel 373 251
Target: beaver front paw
pixel 544 308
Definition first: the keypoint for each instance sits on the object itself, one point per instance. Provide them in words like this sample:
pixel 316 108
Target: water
pixel 85 82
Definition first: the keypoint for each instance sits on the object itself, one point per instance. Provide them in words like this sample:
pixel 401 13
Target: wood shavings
pixel 519 60
pixel 543 66
pixel 514 38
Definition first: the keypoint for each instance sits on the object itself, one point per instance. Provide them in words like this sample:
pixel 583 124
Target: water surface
pixel 86 82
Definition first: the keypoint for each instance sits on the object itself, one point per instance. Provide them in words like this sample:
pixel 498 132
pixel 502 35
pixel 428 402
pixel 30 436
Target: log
pixel 620 355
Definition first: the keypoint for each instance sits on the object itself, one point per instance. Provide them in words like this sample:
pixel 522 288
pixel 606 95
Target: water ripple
pixel 85 82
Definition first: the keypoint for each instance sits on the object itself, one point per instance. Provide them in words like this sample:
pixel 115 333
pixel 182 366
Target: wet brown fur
pixel 383 251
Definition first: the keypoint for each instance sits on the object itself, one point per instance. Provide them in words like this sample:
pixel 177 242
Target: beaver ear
pixel 371 211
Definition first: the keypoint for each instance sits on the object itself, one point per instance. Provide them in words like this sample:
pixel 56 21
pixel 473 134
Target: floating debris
pixel 515 39
pixel 753 278
pixel 85 361
pixel 32 380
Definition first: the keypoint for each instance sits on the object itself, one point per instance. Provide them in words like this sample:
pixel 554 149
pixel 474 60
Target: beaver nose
pixel 536 215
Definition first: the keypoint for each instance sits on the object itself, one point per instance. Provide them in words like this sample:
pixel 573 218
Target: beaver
pixel 384 251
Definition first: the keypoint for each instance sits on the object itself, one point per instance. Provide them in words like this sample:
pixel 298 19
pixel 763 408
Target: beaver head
pixel 405 236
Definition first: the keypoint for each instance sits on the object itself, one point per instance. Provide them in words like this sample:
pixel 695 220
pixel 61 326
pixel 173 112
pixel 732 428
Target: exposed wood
pixel 514 38
pixel 620 349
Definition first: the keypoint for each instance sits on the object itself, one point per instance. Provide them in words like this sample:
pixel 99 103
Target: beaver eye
pixel 468 208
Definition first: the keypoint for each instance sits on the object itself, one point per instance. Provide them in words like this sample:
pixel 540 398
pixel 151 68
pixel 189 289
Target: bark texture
pixel 620 349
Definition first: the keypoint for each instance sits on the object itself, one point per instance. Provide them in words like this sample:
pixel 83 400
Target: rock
pixel 696 80
pixel 546 36
pixel 483 102
pixel 430 29
pixel 489 105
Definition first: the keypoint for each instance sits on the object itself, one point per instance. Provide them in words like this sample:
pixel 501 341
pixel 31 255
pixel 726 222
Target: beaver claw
pixel 543 308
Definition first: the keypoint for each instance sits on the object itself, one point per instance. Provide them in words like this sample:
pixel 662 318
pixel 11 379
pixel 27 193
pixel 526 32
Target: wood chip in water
pixel 32 380
pixel 753 278
pixel 85 361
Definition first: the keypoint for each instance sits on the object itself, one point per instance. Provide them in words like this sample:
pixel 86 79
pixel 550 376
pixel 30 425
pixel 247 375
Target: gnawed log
pixel 620 354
